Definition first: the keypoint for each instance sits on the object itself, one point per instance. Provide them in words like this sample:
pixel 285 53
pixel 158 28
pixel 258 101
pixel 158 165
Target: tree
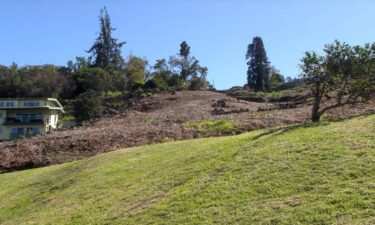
pixel 187 66
pixel 345 73
pixel 135 71
pixel 276 78
pixel 81 62
pixel 106 51
pixel 95 79
pixel 160 76
pixel 258 65
pixel 87 106
pixel 185 61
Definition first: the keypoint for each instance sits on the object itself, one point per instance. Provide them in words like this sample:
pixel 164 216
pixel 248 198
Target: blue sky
pixel 218 31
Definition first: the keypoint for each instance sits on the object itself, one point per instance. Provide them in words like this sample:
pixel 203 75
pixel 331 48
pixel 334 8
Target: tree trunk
pixel 315 114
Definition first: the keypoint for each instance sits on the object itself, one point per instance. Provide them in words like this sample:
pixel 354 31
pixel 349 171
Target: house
pixel 20 117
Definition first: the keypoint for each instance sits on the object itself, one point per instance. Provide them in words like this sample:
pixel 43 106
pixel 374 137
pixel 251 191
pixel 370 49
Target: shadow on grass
pixel 352 117
pixel 282 130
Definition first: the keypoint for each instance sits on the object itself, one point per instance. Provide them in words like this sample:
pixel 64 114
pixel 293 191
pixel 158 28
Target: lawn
pixel 303 174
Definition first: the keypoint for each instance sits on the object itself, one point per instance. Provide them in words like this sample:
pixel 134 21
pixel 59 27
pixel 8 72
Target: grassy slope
pixel 300 175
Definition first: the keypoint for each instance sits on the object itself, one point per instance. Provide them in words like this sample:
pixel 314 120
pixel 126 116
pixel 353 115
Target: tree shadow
pixel 284 129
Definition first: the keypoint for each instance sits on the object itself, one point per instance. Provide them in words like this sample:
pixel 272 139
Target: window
pixel 1 115
pixel 29 118
pixel 16 132
pixel 19 118
pixel 36 118
pixel 36 130
pixel 1 104
pixel 9 104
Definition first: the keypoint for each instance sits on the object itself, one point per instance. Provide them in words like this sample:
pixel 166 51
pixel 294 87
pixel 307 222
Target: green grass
pixel 311 174
pixel 215 126
pixel 67 117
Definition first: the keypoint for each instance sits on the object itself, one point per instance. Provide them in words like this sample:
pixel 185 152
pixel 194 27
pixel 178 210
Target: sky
pixel 218 31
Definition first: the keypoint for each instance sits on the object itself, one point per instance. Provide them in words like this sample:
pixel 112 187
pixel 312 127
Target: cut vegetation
pixel 302 174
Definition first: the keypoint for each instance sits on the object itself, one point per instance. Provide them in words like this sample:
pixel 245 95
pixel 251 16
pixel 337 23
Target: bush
pixel 216 126
pixel 157 83
pixel 198 84
pixel 87 106
pixel 176 82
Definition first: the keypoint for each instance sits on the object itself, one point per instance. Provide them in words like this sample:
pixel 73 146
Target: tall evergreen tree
pixel 106 51
pixel 258 65
pixel 184 54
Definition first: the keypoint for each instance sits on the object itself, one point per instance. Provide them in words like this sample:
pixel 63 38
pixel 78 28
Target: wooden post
pixel 268 113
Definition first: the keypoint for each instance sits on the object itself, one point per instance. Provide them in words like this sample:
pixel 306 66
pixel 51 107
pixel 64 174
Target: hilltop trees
pixel 35 81
pixel 345 73
pixel 189 69
pixel 182 71
pixel 258 65
pixel 106 50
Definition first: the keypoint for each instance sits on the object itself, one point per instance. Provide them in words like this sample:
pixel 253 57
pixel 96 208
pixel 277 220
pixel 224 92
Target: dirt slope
pixel 156 119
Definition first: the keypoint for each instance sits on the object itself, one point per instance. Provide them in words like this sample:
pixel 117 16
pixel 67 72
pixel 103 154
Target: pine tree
pixel 106 51
pixel 258 65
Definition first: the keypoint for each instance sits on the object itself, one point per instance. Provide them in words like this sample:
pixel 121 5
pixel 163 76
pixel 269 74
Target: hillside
pixel 302 174
pixel 159 118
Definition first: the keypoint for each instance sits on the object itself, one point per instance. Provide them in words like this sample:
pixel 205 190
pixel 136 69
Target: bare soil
pixel 156 119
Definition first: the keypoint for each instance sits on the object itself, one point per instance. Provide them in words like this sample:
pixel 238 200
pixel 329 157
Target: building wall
pixel 3 115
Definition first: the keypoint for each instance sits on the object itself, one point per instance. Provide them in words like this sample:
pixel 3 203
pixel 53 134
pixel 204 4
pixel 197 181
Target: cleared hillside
pixel 302 174
pixel 159 118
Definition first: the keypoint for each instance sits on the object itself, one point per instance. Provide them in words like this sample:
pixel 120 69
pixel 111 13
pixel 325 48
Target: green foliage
pixel 290 175
pixel 276 78
pixel 160 77
pixel 87 106
pixel 216 126
pixel 113 94
pixel 35 81
pixel 182 71
pixel 187 66
pixel 96 79
pixel 135 71
pixel 198 83
pixel 176 82
pixel 157 83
